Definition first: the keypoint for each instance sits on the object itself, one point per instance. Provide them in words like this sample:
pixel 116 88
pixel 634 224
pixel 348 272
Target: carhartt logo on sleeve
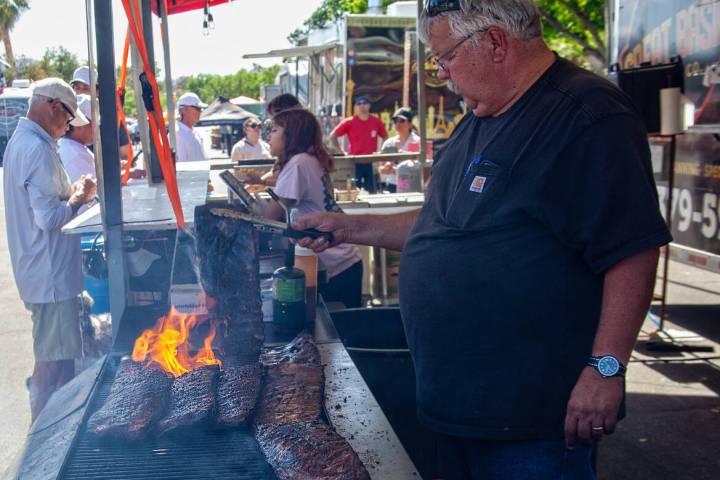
pixel 478 184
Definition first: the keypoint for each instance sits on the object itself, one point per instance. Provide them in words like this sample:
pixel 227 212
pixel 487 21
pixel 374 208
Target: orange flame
pixel 167 344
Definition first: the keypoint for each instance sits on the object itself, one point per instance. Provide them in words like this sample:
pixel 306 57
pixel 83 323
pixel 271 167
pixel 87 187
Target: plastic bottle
pixel 307 261
pixel 288 296
pixel 409 176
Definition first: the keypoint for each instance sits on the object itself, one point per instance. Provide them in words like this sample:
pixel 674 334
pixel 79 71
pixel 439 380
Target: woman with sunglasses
pixel 304 185
pixel 251 146
pixel 402 121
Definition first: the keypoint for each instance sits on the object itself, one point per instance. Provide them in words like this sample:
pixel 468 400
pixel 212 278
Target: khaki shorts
pixel 56 330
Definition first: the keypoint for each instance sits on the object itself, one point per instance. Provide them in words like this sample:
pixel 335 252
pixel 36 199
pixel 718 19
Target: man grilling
pixel 525 277
pixel 39 200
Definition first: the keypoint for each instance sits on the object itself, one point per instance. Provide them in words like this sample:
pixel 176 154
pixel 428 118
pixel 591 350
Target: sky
pixel 242 26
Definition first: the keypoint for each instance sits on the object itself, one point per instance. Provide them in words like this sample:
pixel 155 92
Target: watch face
pixel 608 366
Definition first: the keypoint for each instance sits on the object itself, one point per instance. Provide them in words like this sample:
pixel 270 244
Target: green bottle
pixel 288 295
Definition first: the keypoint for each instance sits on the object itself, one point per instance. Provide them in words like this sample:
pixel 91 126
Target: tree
pixel 10 11
pixel 59 62
pixel 243 82
pixel 574 28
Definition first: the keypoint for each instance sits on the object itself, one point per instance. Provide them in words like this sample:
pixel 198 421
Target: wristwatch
pixel 607 365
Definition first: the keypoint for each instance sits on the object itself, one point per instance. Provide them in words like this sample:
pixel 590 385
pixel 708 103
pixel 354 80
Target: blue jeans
pixel 365 176
pixel 461 459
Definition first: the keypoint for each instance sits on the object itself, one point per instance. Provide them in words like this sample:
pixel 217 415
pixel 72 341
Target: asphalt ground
pixel 672 430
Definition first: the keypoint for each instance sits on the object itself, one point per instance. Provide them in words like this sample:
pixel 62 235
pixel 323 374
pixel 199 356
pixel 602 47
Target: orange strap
pixel 155 118
pixel 120 110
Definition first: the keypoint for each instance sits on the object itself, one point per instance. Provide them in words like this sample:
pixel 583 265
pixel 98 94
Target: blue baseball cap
pixel 361 100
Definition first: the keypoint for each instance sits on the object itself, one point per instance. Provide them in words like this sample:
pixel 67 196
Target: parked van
pixel 14 103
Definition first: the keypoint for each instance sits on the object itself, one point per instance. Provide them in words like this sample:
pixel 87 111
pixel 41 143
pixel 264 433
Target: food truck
pixel 657 32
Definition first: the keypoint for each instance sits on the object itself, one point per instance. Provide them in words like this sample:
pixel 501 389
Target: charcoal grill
pixel 230 454
pixel 58 447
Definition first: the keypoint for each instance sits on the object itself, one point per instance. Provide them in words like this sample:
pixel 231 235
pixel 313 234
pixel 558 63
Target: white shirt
pixel 77 159
pixel 392 145
pixel 245 150
pixel 302 179
pixel 46 262
pixel 189 146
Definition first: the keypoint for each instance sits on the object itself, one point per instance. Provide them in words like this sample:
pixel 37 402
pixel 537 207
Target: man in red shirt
pixel 363 131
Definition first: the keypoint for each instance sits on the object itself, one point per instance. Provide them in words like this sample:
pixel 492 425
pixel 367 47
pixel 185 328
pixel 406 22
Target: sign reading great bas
pixel 653 31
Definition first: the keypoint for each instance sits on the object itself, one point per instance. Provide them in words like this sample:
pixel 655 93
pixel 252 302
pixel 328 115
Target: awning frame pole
pixel 168 75
pixel 422 100
pixel 109 186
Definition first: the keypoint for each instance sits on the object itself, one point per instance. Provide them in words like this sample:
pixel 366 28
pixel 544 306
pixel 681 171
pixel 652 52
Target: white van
pixel 14 103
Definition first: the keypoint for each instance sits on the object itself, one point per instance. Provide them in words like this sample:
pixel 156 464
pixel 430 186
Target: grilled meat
pixel 237 393
pixel 242 336
pixel 292 393
pixel 192 400
pixel 138 399
pixel 229 266
pixel 309 450
pixel 230 275
pixel 301 350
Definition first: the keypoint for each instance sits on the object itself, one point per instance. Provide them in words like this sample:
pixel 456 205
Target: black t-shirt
pixel 501 277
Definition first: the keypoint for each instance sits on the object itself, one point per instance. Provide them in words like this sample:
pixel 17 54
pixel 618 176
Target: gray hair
pixel 35 99
pixel 521 18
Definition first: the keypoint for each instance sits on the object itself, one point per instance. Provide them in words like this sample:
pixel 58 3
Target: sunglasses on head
pixel 436 7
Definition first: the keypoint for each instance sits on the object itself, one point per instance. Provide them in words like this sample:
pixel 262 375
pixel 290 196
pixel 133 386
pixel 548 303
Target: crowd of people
pixel 524 277
pixel 50 178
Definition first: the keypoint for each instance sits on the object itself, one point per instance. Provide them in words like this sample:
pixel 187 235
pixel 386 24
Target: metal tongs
pixel 255 216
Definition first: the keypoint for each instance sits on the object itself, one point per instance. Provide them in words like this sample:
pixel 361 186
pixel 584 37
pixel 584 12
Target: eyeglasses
pixel 254 125
pixel 436 7
pixel 446 54
pixel 70 114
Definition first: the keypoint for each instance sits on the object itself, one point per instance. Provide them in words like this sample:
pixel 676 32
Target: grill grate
pixel 232 454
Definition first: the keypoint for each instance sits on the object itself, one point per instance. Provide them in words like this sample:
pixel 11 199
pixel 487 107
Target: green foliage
pixel 576 30
pixel 59 62
pixel 55 62
pixel 573 28
pixel 244 82
pixel 10 10
pixel 328 11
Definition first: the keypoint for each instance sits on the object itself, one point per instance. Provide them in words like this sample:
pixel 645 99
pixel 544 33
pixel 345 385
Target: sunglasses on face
pixel 254 125
pixel 70 114
pixel 436 7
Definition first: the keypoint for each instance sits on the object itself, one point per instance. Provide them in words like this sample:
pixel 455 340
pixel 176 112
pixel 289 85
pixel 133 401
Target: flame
pixel 168 345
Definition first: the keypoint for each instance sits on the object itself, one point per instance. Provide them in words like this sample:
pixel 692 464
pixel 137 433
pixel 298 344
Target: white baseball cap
pixel 81 74
pixel 53 88
pixel 190 100
pixel 85 106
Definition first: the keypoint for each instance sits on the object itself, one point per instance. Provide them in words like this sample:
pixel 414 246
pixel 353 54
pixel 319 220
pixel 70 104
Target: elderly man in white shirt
pixel 189 146
pixel 77 159
pixel 39 200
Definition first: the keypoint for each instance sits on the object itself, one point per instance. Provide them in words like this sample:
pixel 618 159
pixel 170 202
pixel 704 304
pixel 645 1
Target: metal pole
pixel 168 76
pixel 668 219
pixel 110 188
pixel 154 173
pixel 421 101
